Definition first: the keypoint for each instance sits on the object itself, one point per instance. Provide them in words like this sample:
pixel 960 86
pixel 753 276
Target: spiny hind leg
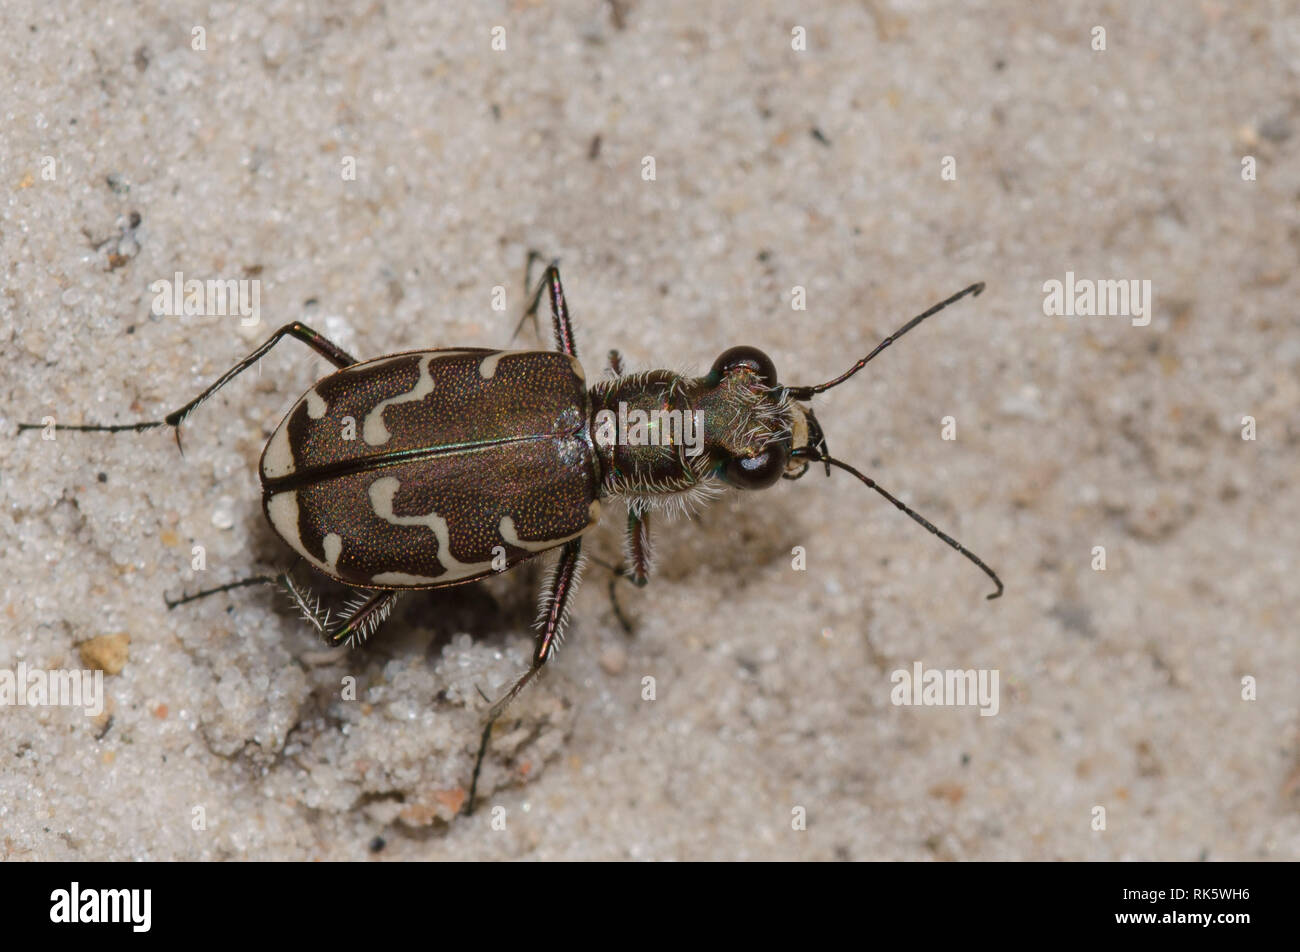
pixel 554 616
pixel 359 619
pixel 303 599
pixel 362 617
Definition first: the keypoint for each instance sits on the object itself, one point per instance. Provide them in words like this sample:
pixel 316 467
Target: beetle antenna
pixel 806 393
pixel 808 454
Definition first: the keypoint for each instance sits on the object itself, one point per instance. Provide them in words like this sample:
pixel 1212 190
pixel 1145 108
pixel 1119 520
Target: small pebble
pixel 223 516
pixel 108 653
pixel 613 660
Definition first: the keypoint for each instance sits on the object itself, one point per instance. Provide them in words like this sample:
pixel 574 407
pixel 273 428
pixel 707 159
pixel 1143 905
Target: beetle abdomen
pixel 418 470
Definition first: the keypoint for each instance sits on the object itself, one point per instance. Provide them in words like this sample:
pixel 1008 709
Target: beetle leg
pixel 555 613
pixel 637 557
pixel 242 583
pixel 554 616
pixel 616 572
pixel 322 345
pixel 616 363
pixel 532 294
pixel 560 312
pixel 623 621
pixel 308 603
pixel 637 551
pixel 560 322
pixel 364 617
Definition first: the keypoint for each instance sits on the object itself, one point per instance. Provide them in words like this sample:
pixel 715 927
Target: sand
pixel 379 169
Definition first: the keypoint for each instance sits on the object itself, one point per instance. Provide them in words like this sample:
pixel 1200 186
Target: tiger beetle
pixel 471 460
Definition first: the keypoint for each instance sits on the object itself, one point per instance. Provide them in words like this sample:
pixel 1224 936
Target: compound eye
pixel 758 471
pixel 744 357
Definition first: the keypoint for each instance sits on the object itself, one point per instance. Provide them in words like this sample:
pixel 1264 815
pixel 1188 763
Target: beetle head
pixel 748 419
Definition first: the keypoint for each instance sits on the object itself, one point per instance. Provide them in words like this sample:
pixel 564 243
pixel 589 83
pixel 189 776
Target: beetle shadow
pixel 731 537
pixel 488 610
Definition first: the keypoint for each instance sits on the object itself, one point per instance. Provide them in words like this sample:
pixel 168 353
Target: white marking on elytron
pixel 333 544
pixel 316 405
pixel 401 578
pixel 511 536
pixel 373 430
pixel 384 490
pixel 378 362
pixel 282 510
pixel 382 493
pixel 277 461
pixel 488 368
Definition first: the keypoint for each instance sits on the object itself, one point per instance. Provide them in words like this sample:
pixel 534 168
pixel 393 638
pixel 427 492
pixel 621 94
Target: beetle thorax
pixel 661 437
